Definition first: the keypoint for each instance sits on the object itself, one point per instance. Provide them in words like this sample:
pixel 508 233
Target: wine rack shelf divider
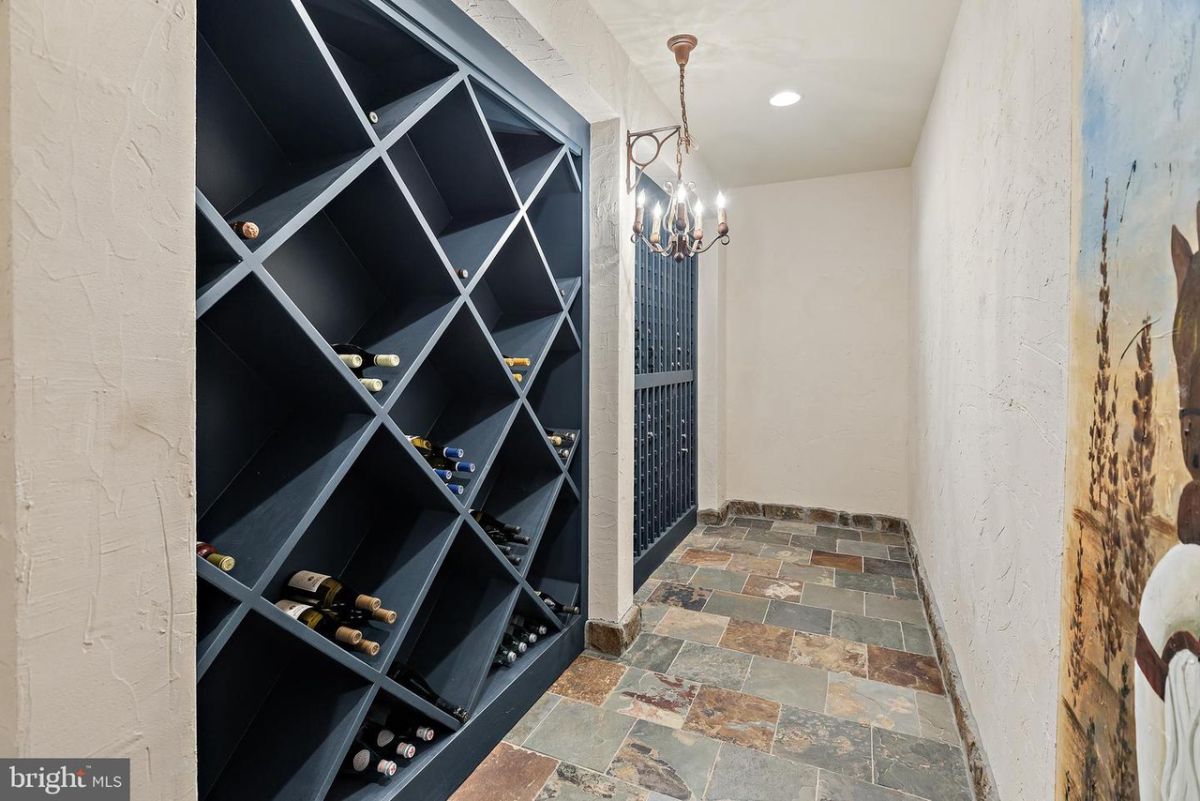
pixel 381 147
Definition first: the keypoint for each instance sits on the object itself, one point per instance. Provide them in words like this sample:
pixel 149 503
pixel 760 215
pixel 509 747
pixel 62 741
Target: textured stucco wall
pixel 98 277
pixel 565 43
pixel 816 390
pixel 989 290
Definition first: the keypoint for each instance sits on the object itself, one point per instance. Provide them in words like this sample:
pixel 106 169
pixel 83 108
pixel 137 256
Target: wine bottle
pixel 372 385
pixel 245 229
pixel 518 377
pixel 488 521
pixel 364 761
pixel 424 734
pixel 321 623
pixel 456 489
pixel 564 454
pixel 400 722
pixel 444 475
pixel 555 440
pixel 373 117
pixel 521 634
pixel 442 463
pixel 414 681
pixel 351 360
pixel 522 622
pixel 368 647
pixel 504 658
pixel 377 735
pixel 555 606
pixel 209 554
pixel 518 361
pixel 513 559
pixel 366 358
pixel 327 592
pixel 568 437
pixel 463 274
pixel 428 446
pixel 515 645
pixel 353 616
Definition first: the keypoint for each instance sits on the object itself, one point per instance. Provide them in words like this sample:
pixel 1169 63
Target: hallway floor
pixel 779 661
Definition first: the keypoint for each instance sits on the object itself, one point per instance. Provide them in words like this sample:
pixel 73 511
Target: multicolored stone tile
pixel 646 589
pixel 752 522
pixel 774 588
pixel 825 742
pixel 685 624
pixel 655 697
pixel 887 567
pixel 786 553
pixel 905 588
pixel 917 639
pixel 684 596
pixel 664 760
pixel 734 605
pixel 714 578
pixel 835 598
pixel 507 774
pixel 744 563
pixel 758 639
pixel 857 548
pixel 904 669
pixel 674 572
pixel 733 717
pixel 652 613
pixel 839 533
pixel 530 720
pixel 736 547
pixel 872 703
pixel 920 767
pixel 652 652
pixel 800 618
pixel 865 582
pixel 581 734
pixel 769 536
pixel 588 680
pixel 573 783
pixel 787 683
pixel 829 653
pixel 868 630
pixel 898 553
pixel 835 787
pixel 902 609
pixel 937 718
pixel 840 561
pixel 885 537
pixel 808 574
pixel 708 664
pixel 744 774
pixel 698 557
pixel 814 542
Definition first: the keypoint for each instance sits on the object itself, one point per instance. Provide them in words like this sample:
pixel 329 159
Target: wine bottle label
pixel 292 609
pixel 348 636
pixel 352 360
pixel 361 760
pixel 306 580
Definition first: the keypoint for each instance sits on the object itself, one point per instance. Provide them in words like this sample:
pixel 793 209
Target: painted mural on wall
pixel 1129 717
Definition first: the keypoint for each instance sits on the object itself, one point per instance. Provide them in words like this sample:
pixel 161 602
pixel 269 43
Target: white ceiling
pixel 866 68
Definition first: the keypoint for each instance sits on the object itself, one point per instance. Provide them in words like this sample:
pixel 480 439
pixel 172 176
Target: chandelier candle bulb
pixel 639 217
pixel 722 215
pixel 656 225
pixel 698 231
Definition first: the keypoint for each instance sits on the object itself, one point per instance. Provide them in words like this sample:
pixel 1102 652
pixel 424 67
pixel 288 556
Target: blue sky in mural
pixel 1138 86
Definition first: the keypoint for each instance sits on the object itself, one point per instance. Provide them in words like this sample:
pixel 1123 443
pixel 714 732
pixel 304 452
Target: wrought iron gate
pixel 664 406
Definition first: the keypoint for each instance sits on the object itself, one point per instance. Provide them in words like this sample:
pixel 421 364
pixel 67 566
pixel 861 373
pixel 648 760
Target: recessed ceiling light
pixel 785 99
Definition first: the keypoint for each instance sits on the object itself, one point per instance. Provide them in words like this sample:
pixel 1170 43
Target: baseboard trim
pixel 800 514
pixel 978 767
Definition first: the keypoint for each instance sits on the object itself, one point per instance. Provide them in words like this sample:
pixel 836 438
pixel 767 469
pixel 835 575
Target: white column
pixel 610 375
pixel 97 385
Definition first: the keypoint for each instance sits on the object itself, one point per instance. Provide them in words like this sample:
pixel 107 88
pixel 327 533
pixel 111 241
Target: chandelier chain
pixel 684 142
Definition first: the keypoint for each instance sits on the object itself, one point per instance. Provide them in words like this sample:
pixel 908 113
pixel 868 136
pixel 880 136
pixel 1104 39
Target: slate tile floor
pixel 778 661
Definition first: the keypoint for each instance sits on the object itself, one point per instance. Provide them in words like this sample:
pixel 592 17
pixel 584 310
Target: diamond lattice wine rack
pixel 408 204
